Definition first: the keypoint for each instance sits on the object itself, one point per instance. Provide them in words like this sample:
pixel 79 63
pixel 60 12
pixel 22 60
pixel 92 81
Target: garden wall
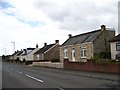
pixel 92 66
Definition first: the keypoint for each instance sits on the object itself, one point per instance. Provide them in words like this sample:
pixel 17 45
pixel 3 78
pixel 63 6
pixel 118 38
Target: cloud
pixel 27 22
pixel 79 14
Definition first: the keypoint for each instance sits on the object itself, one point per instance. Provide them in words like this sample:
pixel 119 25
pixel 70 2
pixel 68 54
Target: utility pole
pixel 13 46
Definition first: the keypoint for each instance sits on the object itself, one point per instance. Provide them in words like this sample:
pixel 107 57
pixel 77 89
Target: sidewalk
pixel 96 75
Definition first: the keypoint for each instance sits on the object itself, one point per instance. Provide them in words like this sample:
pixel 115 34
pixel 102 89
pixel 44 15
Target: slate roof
pixel 116 38
pixel 25 51
pixel 45 48
pixel 15 53
pixel 82 38
pixel 30 48
pixel 20 53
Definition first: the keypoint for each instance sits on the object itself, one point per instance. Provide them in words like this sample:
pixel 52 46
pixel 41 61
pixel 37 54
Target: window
pixel 38 57
pixel 65 53
pixel 117 46
pixel 83 52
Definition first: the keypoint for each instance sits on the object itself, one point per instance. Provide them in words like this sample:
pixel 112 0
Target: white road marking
pixel 33 78
pixel 60 88
pixel 19 72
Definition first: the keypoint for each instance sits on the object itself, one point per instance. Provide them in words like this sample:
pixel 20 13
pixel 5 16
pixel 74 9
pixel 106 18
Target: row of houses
pixel 77 48
pixel 46 53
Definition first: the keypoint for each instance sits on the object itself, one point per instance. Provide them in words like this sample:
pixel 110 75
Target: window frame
pixel 65 51
pixel 117 45
pixel 83 52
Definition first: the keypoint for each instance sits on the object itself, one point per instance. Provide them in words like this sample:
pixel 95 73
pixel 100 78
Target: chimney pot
pixel 56 41
pixel 36 45
pixel 45 44
pixel 70 35
pixel 103 27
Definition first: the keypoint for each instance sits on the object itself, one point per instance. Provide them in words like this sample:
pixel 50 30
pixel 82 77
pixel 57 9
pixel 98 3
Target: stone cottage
pixel 85 46
pixel 48 52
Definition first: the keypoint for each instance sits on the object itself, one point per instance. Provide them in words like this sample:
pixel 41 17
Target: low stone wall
pixel 48 64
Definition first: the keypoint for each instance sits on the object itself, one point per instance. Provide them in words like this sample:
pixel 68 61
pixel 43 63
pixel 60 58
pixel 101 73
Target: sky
pixel 31 22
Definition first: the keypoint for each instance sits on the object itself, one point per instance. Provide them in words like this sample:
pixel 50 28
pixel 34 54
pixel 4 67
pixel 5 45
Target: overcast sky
pixel 27 22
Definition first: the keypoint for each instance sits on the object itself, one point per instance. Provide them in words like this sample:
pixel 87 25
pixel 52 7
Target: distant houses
pixel 25 54
pixel 14 56
pixel 76 48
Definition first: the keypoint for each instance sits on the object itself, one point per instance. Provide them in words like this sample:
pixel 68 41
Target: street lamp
pixel 5 51
pixel 13 46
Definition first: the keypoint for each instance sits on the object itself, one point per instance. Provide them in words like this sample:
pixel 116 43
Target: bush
pixel 103 55
pixel 102 61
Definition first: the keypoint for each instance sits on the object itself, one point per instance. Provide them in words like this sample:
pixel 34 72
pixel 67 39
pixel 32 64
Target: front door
pixel 73 54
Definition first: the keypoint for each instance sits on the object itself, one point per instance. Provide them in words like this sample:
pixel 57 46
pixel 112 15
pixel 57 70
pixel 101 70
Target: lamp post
pixel 5 51
pixel 13 46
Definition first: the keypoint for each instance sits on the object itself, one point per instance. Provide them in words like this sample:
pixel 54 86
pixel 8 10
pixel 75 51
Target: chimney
pixel 70 35
pixel 103 27
pixel 45 44
pixel 36 45
pixel 56 41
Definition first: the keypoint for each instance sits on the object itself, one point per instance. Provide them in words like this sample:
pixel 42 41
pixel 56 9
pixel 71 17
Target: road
pixel 21 76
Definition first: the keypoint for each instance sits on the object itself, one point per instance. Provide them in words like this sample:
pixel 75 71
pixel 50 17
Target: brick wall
pixel 91 66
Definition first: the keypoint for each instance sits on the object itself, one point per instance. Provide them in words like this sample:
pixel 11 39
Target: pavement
pixel 24 76
pixel 96 75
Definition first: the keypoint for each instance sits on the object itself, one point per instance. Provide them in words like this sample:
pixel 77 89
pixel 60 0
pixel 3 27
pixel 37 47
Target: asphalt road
pixel 21 76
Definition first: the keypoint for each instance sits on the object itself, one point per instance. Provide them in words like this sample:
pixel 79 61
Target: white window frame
pixel 82 52
pixel 65 50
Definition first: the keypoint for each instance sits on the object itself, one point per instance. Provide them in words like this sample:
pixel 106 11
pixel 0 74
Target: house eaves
pixel 115 39
pixel 77 44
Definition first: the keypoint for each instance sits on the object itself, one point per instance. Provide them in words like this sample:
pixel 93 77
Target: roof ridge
pixel 44 48
pixel 86 33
